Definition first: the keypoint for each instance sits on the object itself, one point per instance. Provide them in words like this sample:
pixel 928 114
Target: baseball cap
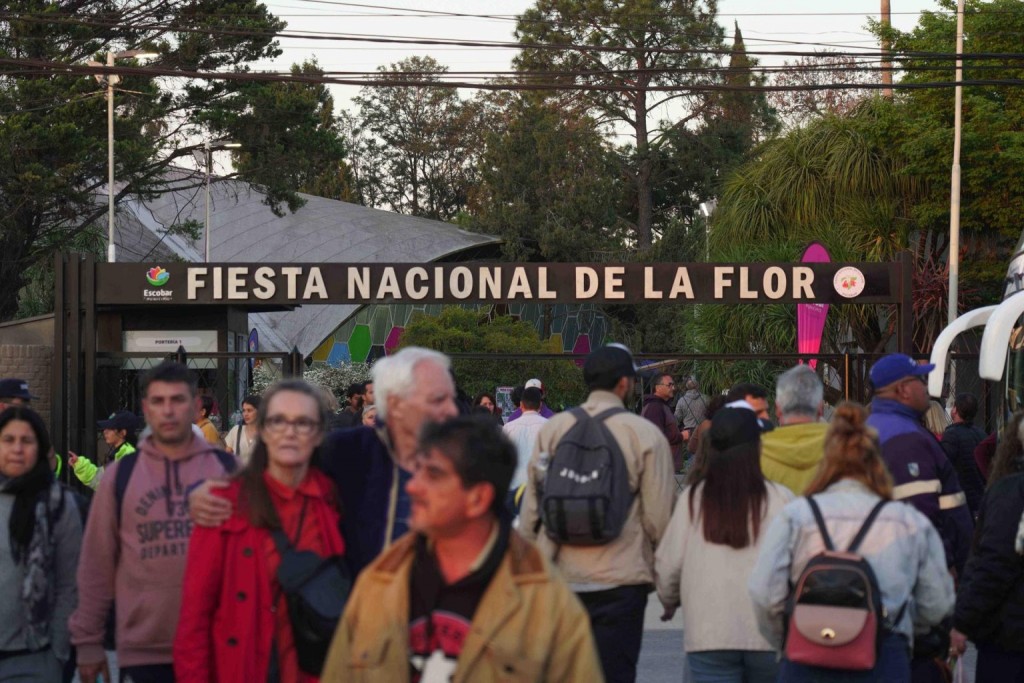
pixel 119 420
pixel 894 367
pixel 535 383
pixel 733 426
pixel 15 388
pixel 608 363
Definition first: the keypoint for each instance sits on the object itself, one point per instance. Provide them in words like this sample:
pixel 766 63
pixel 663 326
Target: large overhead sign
pixel 628 283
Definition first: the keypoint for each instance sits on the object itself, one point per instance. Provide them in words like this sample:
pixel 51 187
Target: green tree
pixel 548 185
pixel 53 133
pixel 461 330
pixel 992 139
pixel 416 144
pixel 643 54
pixel 839 181
pixel 279 119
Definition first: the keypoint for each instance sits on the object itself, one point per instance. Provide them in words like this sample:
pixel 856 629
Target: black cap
pixel 608 364
pixel 732 427
pixel 120 420
pixel 15 388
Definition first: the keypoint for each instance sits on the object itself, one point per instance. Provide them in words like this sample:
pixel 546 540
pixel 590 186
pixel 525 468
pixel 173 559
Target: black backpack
pixel 586 497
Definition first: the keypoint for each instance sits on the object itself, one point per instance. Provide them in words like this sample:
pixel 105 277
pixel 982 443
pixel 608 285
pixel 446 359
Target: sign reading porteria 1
pixel 357 283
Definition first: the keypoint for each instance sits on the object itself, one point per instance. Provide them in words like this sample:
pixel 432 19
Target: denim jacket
pixel 902 547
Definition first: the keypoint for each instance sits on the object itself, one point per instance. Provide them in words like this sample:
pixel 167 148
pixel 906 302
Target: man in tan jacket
pixel 612 580
pixel 463 597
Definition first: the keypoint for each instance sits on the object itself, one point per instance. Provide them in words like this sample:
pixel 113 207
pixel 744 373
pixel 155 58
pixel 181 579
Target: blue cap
pixel 894 367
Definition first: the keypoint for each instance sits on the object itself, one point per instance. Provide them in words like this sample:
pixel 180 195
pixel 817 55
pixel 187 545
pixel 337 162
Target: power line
pixel 48 68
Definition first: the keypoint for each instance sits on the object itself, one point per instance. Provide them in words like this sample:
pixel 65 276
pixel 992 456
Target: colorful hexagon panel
pixel 360 343
pixel 375 331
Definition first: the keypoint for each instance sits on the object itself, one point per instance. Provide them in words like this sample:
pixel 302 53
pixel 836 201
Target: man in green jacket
pixel 791 453
pixel 462 597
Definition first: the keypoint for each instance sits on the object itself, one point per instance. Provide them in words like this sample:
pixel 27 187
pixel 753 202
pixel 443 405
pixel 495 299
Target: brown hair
pixel 852 452
pixel 734 495
pixel 254 500
pixel 1009 449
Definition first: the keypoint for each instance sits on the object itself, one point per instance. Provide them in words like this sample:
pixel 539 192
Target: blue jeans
pixel 733 666
pixel 893 666
pixel 617 620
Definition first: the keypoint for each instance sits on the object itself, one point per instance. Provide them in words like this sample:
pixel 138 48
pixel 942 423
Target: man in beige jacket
pixel 612 580
pixel 463 597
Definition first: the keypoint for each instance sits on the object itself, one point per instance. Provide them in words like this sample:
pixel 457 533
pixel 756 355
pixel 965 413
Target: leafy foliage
pixel 547 184
pixel 461 330
pixel 628 48
pixel 53 132
pixel 415 145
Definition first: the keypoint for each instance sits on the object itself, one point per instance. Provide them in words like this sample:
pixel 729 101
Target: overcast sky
pixel 838 25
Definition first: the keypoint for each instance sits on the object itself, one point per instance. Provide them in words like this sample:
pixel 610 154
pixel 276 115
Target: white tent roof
pixel 245 230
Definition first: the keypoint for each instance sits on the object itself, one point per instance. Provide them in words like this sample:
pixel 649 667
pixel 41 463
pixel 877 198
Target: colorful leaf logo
pixel 157 276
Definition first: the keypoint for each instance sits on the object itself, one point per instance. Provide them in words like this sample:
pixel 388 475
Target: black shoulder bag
pixel 315 589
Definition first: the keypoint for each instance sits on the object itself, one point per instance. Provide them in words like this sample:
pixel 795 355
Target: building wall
pixel 32 364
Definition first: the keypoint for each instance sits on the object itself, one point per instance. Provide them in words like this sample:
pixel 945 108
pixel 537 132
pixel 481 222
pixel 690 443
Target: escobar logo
pixel 157 277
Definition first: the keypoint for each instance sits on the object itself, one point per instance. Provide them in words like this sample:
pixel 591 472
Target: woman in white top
pixel 709 550
pixel 242 438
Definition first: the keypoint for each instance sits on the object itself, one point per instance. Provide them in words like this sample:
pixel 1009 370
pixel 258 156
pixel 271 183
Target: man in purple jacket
pixel 922 474
pixel 658 409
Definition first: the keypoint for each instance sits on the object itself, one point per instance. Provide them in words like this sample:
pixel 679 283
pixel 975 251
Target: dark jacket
pixel 990 602
pixel 658 411
pixel 923 475
pixel 959 441
pixel 371 491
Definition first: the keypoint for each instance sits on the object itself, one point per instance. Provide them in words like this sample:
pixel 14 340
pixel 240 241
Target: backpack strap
pixel 855 543
pixel 605 414
pixel 227 461
pixel 125 467
pixel 821 523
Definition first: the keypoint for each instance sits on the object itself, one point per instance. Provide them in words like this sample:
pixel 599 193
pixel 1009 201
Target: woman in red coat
pixel 234 623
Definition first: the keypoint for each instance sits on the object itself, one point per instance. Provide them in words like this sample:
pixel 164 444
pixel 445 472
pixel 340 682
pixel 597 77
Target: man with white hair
pixel 371 465
pixel 791 453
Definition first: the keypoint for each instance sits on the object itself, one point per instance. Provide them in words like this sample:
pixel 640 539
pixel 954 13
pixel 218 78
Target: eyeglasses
pixel 668 384
pixel 304 426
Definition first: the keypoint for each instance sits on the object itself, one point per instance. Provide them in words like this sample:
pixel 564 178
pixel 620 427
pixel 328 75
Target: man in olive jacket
pixel 462 597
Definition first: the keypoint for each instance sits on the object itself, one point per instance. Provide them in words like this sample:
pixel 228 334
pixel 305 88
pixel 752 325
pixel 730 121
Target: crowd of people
pixel 415 536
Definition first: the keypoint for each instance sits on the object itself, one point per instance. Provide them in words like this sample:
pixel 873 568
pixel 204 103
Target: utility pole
pixel 954 194
pixel 886 50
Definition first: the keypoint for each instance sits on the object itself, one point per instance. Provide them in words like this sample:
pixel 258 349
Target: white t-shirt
pixel 240 446
pixel 523 433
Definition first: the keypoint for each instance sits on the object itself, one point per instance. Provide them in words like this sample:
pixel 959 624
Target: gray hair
pixel 394 374
pixel 798 391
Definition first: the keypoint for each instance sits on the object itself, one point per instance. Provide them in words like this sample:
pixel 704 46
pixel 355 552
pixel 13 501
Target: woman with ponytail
pixel 902 548
pixel 709 549
pixel 40 536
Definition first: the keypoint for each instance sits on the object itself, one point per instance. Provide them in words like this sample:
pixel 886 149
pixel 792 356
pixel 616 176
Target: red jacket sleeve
pixel 193 642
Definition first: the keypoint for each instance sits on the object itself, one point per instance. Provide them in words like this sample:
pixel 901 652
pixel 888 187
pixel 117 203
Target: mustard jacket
pixel 528 627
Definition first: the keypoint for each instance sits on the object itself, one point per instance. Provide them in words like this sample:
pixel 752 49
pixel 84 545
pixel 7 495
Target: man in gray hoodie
pixel 136 538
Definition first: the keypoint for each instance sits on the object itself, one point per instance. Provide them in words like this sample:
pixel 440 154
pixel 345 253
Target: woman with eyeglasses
pixel 234 624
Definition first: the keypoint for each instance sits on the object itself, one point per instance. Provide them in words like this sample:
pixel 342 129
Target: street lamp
pixel 706 209
pixel 209 147
pixel 111 80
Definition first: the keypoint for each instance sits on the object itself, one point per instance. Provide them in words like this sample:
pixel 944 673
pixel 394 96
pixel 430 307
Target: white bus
pixel 1002 344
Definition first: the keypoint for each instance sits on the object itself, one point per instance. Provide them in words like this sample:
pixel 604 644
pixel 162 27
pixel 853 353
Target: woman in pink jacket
pixel 234 623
